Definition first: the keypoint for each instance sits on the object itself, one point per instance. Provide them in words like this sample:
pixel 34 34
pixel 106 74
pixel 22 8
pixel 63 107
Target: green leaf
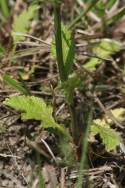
pixel 110 138
pixel 68 48
pixel 22 22
pixel 74 81
pixel 2 50
pixel 103 49
pixel 70 57
pixel 110 3
pixel 16 85
pixel 118 113
pixel 66 41
pixel 100 8
pixel 66 37
pixel 67 151
pixel 58 42
pixel 34 108
pixel 4 8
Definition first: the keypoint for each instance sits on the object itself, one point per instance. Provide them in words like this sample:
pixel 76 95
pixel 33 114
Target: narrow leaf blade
pixel 15 84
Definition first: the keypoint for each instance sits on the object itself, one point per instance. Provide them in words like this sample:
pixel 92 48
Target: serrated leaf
pixel 103 49
pixel 67 151
pixel 110 138
pixel 22 22
pixel 101 122
pixel 118 113
pixel 34 108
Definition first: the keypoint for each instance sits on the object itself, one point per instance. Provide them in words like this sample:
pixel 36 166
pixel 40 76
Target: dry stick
pixel 33 145
pixel 62 179
pixel 93 16
pixel 30 51
pixel 32 37
pixel 15 161
pixel 9 115
pixel 107 112
pixel 5 156
pixel 83 14
pixel 60 109
pixel 93 55
pixel 94 171
pixel 49 150
pixel 27 43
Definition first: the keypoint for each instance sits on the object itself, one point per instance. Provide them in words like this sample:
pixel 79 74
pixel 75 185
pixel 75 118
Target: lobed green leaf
pixel 22 22
pixel 110 138
pixel 104 49
pixel 34 108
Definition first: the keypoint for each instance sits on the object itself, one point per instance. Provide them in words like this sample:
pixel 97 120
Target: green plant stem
pixel 4 8
pixel 74 124
pixel 83 13
pixel 84 150
pixel 58 40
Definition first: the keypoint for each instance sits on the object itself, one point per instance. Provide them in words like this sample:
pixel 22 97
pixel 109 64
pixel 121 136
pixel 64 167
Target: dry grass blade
pixel 29 51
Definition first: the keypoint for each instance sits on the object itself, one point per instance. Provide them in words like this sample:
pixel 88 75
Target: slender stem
pixel 74 124
pixel 58 40
pixel 84 151
pixel 4 8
